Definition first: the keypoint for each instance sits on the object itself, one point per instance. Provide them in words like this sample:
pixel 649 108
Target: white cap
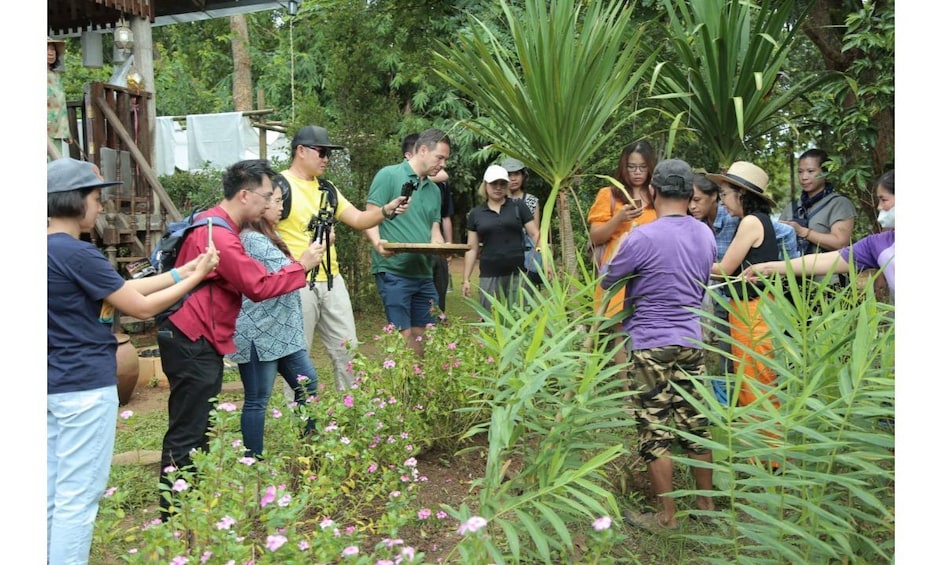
pixel 495 173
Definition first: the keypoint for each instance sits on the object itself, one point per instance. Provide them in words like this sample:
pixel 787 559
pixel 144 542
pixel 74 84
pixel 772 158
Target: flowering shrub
pixel 322 498
pixel 436 393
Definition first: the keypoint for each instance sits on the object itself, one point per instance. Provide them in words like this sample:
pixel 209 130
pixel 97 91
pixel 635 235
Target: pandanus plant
pixel 548 95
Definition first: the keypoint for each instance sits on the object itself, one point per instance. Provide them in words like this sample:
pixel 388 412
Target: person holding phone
pixel 194 339
pixel 81 391
pixel 405 280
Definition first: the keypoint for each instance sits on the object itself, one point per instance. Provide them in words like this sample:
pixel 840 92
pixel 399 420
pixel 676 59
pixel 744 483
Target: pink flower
pixel 349 530
pixel 205 557
pixel 226 523
pixel 268 497
pixel 303 545
pixel 326 523
pixel 345 440
pixel 452 345
pixel 110 492
pixel 348 401
pixel 424 513
pixel 284 500
pixel 441 515
pixel 275 413
pixel 179 560
pixel 408 553
pixel 372 468
pixel 126 414
pixel 227 407
pixel 180 485
pixel 274 542
pixel 411 462
pixel 247 461
pixel 389 364
pixel 473 524
pixel 602 523
pixel 350 550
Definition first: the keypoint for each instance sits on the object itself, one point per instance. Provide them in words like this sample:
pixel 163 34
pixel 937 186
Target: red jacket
pixel 212 309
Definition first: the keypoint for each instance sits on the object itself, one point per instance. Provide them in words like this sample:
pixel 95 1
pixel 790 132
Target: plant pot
pixel 128 368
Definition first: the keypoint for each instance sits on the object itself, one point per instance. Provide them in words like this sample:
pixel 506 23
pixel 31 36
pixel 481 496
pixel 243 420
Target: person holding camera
pixel 309 198
pixel 405 280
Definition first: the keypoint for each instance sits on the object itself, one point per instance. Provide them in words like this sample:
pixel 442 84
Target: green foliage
pixel 723 76
pixel 193 190
pixel 831 436
pixel 557 420
pixel 439 391
pixel 856 112
pixel 549 97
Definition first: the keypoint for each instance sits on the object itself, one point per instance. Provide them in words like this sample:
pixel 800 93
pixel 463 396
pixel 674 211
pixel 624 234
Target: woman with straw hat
pixel 743 193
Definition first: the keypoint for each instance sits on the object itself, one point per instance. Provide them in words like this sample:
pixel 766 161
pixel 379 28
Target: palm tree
pixel 725 73
pixel 548 98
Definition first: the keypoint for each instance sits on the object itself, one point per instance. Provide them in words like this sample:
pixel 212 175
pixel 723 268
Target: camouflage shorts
pixel 656 374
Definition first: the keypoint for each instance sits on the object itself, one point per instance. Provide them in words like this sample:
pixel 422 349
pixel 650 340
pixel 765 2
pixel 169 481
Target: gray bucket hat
pixel 63 175
pixel 512 165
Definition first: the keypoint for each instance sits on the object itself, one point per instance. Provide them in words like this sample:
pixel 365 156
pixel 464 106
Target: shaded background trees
pixel 365 70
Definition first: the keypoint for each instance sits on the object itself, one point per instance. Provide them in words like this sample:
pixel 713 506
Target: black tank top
pixel 767 251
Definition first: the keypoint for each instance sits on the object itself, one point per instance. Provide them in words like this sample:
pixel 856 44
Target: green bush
pixel 831 497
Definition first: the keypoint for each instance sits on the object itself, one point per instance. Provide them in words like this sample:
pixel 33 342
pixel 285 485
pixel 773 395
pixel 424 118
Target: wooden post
pixel 262 130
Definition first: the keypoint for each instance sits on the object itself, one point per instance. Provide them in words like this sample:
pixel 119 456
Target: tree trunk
pixel 567 242
pixel 242 64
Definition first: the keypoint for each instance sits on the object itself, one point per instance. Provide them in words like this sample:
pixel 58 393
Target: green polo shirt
pixel 414 226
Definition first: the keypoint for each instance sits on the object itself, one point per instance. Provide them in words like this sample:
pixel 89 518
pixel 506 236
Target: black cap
pixel 312 136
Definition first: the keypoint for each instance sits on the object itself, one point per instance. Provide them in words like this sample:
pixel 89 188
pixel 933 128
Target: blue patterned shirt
pixel 724 229
pixel 275 326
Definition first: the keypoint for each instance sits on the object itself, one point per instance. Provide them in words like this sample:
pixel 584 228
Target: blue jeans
pixel 80 430
pixel 258 377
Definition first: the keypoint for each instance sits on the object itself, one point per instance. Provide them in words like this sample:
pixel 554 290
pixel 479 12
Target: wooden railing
pixel 115 134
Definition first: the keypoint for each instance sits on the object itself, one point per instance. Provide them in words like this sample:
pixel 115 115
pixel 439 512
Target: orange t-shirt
pixel 601 212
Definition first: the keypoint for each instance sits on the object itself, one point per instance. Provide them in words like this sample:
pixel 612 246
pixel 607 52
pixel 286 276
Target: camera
pixel 408 188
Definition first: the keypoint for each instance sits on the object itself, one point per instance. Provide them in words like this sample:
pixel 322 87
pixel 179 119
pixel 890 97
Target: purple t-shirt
pixel 669 261
pixel 874 252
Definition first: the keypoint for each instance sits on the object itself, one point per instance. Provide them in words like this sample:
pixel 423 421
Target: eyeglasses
pixel 639 168
pixel 322 152
pixel 266 196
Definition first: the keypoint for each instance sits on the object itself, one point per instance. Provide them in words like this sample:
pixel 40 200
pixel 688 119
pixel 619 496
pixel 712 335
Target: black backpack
pixel 164 256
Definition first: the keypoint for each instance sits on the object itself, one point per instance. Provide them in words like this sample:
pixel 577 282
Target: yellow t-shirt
pixel 306 201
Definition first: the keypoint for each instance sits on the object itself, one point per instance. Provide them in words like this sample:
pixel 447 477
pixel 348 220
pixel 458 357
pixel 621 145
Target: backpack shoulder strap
pixel 331 190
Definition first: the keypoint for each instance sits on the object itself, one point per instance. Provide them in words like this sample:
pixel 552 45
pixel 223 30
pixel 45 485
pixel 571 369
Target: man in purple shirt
pixel 667 263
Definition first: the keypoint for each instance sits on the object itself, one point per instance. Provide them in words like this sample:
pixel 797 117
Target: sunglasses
pixel 322 152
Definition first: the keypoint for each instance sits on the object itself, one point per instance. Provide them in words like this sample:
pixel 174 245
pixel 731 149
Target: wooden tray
pixel 428 248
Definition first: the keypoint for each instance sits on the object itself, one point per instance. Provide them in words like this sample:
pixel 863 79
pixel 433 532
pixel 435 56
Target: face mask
pixel 887 218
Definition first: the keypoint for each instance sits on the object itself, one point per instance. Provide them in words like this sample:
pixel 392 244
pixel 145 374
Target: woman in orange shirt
pixel 615 212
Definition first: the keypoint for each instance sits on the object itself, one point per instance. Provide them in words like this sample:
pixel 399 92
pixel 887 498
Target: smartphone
pixel 209 227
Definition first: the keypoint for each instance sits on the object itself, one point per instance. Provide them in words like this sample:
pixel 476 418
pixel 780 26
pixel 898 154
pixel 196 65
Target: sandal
pixel 648 521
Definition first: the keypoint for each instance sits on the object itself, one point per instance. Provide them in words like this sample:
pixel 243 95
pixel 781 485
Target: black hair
pixel 68 204
pixel 408 143
pixel 819 154
pixel 752 202
pixel 705 185
pixel 886 181
pixel 643 148
pixel 245 175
